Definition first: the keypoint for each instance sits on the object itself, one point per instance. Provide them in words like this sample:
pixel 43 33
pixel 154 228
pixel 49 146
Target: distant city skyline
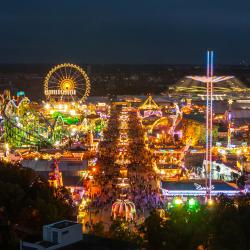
pixel 124 32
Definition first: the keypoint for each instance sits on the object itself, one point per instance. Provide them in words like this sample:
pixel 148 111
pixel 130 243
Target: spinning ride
pixel 123 209
pixel 67 82
pixel 150 108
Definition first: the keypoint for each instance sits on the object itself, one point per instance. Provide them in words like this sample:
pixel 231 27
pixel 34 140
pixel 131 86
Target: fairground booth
pixel 197 188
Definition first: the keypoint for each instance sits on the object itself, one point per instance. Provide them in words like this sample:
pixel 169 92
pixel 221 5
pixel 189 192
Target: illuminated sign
pixel 200 187
pixel 196 189
pixel 198 192
pixel 60 92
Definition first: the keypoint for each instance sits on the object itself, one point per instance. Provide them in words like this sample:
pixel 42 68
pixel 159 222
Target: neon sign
pixel 200 187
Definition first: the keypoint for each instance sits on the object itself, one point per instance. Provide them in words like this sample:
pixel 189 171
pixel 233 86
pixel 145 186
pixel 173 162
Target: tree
pixel 98 229
pixel 122 230
pixel 231 224
pixel 27 202
pixel 223 226
pixel 155 233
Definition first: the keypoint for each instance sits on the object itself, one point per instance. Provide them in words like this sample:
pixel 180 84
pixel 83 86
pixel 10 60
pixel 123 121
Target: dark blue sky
pixel 128 31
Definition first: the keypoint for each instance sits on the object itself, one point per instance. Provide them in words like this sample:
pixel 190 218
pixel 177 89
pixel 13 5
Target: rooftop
pixel 63 224
pixel 195 116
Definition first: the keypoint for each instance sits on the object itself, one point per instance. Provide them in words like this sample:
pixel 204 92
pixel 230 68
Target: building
pixel 69 168
pixel 221 171
pixel 197 188
pixel 56 236
pixel 169 171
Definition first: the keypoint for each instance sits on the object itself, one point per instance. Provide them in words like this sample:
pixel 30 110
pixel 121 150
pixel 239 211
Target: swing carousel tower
pixel 209 80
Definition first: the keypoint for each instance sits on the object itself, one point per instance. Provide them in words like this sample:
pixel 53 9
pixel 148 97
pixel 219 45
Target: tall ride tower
pixel 229 121
pixel 210 80
pixel 209 121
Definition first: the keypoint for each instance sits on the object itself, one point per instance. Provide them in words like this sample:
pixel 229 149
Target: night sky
pixel 128 31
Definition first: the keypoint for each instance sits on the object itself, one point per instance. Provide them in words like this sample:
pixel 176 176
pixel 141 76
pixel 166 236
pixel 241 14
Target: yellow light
pixel 47 105
pixel 210 202
pixel 67 84
pixel 101 104
pixel 230 101
pixel 238 152
pixel 72 112
pixel 178 201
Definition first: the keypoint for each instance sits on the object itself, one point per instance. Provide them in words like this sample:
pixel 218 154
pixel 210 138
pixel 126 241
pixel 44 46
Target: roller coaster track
pixel 32 137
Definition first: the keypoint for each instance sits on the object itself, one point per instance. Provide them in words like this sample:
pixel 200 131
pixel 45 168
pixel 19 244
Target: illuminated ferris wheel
pixel 67 82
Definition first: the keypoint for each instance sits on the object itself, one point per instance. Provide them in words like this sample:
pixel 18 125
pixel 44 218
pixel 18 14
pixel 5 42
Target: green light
pixel 192 202
pixel 66 118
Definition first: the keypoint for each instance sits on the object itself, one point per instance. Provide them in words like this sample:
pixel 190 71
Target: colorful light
pixel 178 201
pixel 210 202
pixel 72 112
pixel 192 204
pixel 47 106
pixel 238 152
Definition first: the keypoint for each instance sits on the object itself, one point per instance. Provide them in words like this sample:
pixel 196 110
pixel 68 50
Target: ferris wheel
pixel 67 82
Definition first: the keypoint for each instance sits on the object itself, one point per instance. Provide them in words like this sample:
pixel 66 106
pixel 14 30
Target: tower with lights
pixel 209 80
pixel 229 120
pixel 55 176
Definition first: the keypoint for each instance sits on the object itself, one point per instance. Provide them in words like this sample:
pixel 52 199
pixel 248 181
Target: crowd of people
pixel 141 188
pixel 144 192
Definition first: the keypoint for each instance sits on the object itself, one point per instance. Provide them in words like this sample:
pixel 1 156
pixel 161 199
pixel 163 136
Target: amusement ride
pixel 63 116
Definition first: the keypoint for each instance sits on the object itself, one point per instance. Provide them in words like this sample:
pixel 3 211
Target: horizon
pixel 123 64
